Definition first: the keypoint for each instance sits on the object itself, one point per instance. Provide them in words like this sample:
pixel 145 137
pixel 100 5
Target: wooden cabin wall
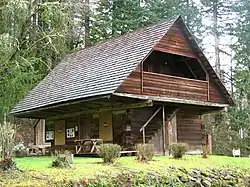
pixel 165 85
pixel 190 130
pixel 216 95
pixel 85 127
pixel 175 42
pixel 71 123
pixel 136 118
pixel 40 132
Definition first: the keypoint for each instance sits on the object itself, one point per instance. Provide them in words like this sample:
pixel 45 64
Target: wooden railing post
pixel 163 131
pixel 142 129
pixel 143 136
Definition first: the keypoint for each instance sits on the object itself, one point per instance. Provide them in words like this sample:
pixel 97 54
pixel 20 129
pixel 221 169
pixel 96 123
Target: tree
pixel 34 35
pixel 116 17
pixel 218 12
pixel 7 136
pixel 240 114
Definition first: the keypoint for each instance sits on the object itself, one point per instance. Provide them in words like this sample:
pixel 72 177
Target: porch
pixel 155 123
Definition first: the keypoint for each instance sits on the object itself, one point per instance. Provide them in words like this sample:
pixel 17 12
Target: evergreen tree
pixel 116 17
pixel 240 114
pixel 33 37
pixel 218 12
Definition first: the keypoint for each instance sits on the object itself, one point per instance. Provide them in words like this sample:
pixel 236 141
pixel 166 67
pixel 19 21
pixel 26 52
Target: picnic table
pixel 82 143
pixel 38 149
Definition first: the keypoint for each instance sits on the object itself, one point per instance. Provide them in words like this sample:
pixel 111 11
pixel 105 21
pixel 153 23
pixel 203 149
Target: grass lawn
pixel 37 170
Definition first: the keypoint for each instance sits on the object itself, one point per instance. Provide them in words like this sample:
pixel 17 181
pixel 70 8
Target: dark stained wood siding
pixel 174 87
pixel 138 117
pixel 216 95
pixel 190 129
pixel 165 85
pixel 175 42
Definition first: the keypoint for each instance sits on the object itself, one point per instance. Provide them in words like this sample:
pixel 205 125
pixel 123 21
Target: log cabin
pixel 148 86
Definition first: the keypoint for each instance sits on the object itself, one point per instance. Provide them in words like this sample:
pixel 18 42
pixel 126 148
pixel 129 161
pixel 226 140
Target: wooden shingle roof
pixel 95 70
pixel 100 69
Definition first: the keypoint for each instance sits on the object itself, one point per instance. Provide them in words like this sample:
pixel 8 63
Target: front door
pixel 59 132
pixel 106 126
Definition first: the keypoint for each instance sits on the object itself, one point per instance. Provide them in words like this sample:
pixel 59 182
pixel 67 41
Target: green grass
pixel 37 170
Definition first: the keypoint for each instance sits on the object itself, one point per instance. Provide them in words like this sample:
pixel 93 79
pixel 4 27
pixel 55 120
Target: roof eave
pixel 28 113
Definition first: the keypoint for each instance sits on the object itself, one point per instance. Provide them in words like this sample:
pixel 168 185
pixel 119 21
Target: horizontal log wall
pixel 171 86
pixel 216 95
pixel 174 87
pixel 189 130
pixel 165 85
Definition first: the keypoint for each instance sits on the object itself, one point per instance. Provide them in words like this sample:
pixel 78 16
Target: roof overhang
pixel 44 112
pixel 172 100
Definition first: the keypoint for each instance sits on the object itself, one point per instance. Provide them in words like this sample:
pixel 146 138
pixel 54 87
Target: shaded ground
pixel 37 171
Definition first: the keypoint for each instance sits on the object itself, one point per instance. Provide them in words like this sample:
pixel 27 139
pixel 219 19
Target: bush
pixel 63 160
pixel 205 151
pixel 145 152
pixel 19 150
pixel 179 149
pixel 7 164
pixel 109 152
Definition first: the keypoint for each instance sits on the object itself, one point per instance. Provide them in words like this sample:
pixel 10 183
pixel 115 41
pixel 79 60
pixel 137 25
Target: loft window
pixel 175 65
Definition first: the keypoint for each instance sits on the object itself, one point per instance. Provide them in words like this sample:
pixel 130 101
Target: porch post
pixel 209 143
pixel 174 129
pixel 163 130
pixel 143 136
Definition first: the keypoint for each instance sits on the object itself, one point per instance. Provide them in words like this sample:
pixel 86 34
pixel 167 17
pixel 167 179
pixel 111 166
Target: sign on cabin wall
pixel 70 132
pixel 49 135
pixel 71 128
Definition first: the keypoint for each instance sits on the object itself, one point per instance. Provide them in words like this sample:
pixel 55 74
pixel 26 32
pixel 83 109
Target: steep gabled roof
pixel 95 70
pixel 99 70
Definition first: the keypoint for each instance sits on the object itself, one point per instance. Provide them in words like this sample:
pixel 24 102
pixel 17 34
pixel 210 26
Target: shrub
pixel 19 150
pixel 205 151
pixel 179 149
pixel 63 160
pixel 145 152
pixel 7 164
pixel 109 152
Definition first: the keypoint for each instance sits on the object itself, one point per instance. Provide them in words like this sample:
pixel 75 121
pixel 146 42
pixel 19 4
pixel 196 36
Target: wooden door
pixel 59 132
pixel 106 126
pixel 85 127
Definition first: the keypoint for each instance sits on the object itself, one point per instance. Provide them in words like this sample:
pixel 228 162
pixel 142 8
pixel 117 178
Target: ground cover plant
pixel 37 171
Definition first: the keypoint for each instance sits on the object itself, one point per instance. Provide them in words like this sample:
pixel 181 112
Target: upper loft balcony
pixel 172 76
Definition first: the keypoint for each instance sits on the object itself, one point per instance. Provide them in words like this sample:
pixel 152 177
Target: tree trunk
pixel 216 37
pixel 87 20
